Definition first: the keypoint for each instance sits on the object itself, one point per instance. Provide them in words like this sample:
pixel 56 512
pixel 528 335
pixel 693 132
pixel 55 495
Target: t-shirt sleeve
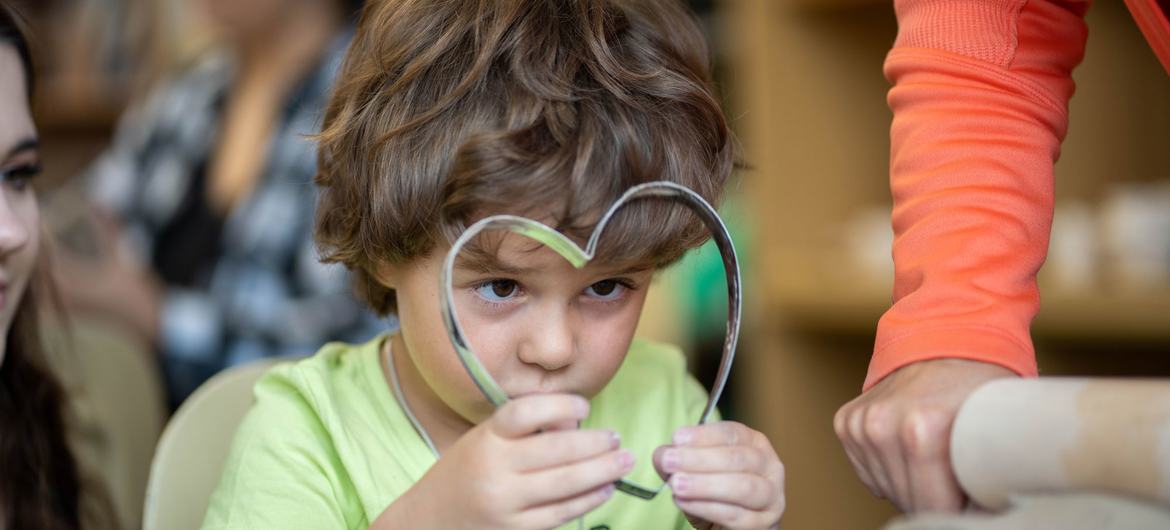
pixel 283 471
pixel 980 102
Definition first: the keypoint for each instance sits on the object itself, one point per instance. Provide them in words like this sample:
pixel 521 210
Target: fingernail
pixel 680 483
pixel 582 406
pixel 626 460
pixel 683 436
pixel 670 460
pixel 607 491
pixel 615 440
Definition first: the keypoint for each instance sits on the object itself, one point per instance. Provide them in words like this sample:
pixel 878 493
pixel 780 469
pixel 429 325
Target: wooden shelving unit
pixel 808 95
pixel 839 302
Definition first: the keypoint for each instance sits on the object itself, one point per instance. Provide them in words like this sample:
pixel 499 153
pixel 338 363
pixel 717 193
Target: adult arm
pixel 980 101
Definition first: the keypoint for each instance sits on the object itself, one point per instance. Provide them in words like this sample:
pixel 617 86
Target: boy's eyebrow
pixel 484 262
pixel 629 269
pixel 491 264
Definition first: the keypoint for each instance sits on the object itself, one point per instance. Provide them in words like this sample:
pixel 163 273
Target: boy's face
pixel 537 324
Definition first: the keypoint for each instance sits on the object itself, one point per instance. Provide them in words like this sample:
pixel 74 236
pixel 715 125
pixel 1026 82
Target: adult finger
pixel 882 427
pixel 926 449
pixel 853 450
pixel 897 474
pixel 870 455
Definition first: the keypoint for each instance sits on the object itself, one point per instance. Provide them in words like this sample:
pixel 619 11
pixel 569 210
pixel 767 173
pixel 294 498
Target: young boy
pixel 449 111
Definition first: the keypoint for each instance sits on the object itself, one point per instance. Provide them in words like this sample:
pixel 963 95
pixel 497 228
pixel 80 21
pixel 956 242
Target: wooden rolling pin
pixel 1054 435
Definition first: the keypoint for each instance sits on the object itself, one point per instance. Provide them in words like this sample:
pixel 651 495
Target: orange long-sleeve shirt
pixel 980 101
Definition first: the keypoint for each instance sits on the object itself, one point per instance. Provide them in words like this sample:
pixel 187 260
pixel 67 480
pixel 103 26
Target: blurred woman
pixel 208 194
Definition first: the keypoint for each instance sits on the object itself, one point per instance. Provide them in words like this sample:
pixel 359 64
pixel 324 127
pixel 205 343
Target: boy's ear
pixel 384 273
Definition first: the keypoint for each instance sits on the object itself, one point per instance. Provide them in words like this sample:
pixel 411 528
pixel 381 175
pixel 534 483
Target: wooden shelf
pixel 837 299
pixel 1127 316
pixel 64 109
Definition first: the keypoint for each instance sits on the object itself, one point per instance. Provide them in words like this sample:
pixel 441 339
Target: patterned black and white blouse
pixel 239 287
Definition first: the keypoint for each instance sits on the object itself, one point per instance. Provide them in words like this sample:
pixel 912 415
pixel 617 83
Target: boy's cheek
pixel 492 341
pixel 604 348
pixel 448 379
pixel 601 360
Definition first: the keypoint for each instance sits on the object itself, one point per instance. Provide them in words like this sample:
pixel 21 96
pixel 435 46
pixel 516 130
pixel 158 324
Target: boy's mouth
pixel 531 392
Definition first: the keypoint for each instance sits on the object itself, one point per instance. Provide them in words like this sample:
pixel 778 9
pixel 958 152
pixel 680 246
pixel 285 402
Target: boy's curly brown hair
pixel 449 110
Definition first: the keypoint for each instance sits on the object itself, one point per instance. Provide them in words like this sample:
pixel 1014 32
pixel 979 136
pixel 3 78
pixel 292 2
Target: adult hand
pixel 109 282
pixel 897 434
pixel 724 475
pixel 514 471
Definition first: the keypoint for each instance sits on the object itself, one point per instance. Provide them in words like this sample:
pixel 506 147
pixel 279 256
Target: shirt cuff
pixel 970 343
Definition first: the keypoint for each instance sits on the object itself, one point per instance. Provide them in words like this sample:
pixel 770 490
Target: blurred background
pixel 808 97
pixel 803 87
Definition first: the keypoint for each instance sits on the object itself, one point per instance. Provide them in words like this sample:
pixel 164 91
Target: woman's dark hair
pixel 12 34
pixel 40 487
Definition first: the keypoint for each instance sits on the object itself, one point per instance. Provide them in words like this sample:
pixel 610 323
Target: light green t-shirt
pixel 327 446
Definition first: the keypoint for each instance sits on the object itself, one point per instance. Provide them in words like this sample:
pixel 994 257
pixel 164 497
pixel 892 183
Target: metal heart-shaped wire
pixel 579 257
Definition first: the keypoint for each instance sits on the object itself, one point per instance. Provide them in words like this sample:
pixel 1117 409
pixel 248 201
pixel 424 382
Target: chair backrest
pixel 192 450
pixel 117 408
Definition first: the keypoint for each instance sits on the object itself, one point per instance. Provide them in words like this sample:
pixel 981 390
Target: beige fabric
pixel 191 453
pixel 116 412
pixel 1082 511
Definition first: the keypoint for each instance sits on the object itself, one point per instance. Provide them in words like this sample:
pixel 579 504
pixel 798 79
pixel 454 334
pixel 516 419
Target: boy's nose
pixel 550 343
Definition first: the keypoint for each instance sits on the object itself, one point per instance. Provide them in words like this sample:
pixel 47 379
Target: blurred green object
pixel 701 282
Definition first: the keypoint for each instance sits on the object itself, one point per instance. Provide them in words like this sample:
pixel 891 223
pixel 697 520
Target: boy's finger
pixel 555 484
pixel 719 433
pixel 558 448
pixel 718 459
pixel 569 425
pixel 725 515
pixel 657 460
pixel 529 414
pixel 555 514
pixel 747 490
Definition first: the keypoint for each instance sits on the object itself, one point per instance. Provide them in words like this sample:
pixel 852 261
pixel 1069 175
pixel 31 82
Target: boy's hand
pixel 724 476
pixel 514 471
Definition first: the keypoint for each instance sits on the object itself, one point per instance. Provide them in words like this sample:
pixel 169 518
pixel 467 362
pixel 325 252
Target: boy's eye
pixel 606 289
pixel 497 290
